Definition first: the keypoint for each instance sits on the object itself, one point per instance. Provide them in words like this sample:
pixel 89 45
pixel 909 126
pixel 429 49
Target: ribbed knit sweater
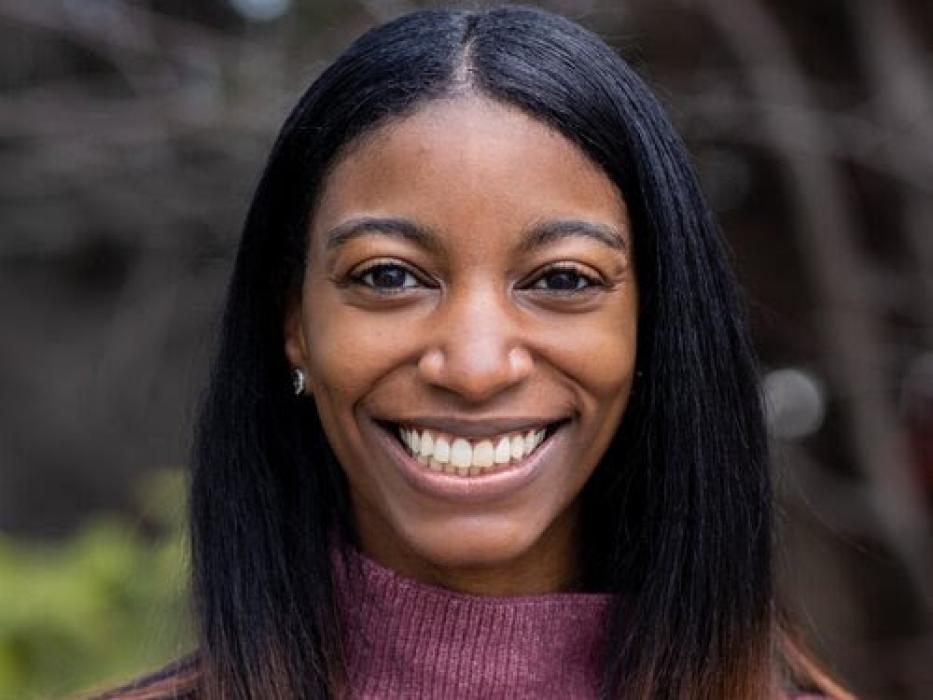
pixel 406 639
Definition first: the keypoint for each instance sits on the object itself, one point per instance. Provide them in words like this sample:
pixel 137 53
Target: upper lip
pixel 475 427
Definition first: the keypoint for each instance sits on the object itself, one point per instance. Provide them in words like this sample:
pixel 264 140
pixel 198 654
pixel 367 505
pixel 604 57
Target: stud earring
pixel 298 381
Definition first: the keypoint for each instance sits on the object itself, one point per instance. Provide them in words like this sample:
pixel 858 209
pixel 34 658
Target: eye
pixel 564 279
pixel 387 277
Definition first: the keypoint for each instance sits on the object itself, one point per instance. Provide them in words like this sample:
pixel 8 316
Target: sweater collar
pixel 404 638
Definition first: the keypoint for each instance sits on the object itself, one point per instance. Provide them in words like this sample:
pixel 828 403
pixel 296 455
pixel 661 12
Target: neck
pixel 551 565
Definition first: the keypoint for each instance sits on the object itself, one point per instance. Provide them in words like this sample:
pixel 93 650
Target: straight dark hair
pixel 678 513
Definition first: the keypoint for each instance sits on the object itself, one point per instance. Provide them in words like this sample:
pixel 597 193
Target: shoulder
pixel 177 681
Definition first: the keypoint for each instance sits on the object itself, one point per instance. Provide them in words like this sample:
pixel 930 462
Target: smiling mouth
pixel 470 456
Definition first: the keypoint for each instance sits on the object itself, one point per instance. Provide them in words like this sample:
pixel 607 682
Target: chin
pixel 474 542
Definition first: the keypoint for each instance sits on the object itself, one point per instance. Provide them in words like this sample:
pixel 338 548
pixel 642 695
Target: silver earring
pixel 298 381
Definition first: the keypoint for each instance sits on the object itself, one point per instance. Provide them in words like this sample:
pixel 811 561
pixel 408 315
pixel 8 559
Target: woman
pixel 484 418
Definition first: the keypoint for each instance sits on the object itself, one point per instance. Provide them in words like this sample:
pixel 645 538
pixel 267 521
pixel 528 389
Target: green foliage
pixel 98 608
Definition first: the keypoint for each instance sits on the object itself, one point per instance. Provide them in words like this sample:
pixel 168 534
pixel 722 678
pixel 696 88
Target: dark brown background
pixel 132 132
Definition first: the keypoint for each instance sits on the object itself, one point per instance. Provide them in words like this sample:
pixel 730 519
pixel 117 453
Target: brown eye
pixel 564 279
pixel 387 278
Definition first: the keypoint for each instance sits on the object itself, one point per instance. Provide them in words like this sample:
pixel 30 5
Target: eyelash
pixel 591 281
pixel 358 278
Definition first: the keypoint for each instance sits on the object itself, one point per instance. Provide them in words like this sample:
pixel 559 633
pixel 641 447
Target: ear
pixel 296 349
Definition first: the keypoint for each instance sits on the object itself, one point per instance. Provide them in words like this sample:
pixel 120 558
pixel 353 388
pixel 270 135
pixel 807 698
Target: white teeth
pixel 427 444
pixel 518 447
pixel 503 451
pixel 461 454
pixel 440 452
pixel 483 454
pixel 529 441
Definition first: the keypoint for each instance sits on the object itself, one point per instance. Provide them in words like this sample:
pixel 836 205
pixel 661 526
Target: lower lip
pixel 472 489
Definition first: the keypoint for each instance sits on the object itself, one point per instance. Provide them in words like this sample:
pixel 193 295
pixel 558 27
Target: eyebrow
pixel 551 231
pixel 387 226
pixel 536 236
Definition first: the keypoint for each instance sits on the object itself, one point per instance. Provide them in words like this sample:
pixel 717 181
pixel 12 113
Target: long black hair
pixel 678 512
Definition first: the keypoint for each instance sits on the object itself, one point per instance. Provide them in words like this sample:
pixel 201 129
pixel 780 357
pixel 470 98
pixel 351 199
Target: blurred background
pixel 131 135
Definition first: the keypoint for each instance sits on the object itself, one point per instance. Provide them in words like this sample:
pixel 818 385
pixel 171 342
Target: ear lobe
pixel 295 347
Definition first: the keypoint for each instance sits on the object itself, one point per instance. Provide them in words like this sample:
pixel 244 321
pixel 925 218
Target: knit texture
pixel 406 639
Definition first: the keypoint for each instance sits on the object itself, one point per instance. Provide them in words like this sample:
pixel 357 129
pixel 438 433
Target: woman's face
pixel 470 281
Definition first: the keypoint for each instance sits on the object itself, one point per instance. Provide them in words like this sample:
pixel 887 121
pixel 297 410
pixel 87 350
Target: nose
pixel 476 349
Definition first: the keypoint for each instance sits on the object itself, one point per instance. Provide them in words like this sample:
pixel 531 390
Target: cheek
pixel 598 354
pixel 349 354
pixel 350 351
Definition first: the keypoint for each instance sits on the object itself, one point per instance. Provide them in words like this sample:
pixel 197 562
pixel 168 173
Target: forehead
pixel 467 163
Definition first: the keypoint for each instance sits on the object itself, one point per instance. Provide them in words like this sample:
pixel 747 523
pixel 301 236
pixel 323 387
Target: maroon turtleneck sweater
pixel 406 639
